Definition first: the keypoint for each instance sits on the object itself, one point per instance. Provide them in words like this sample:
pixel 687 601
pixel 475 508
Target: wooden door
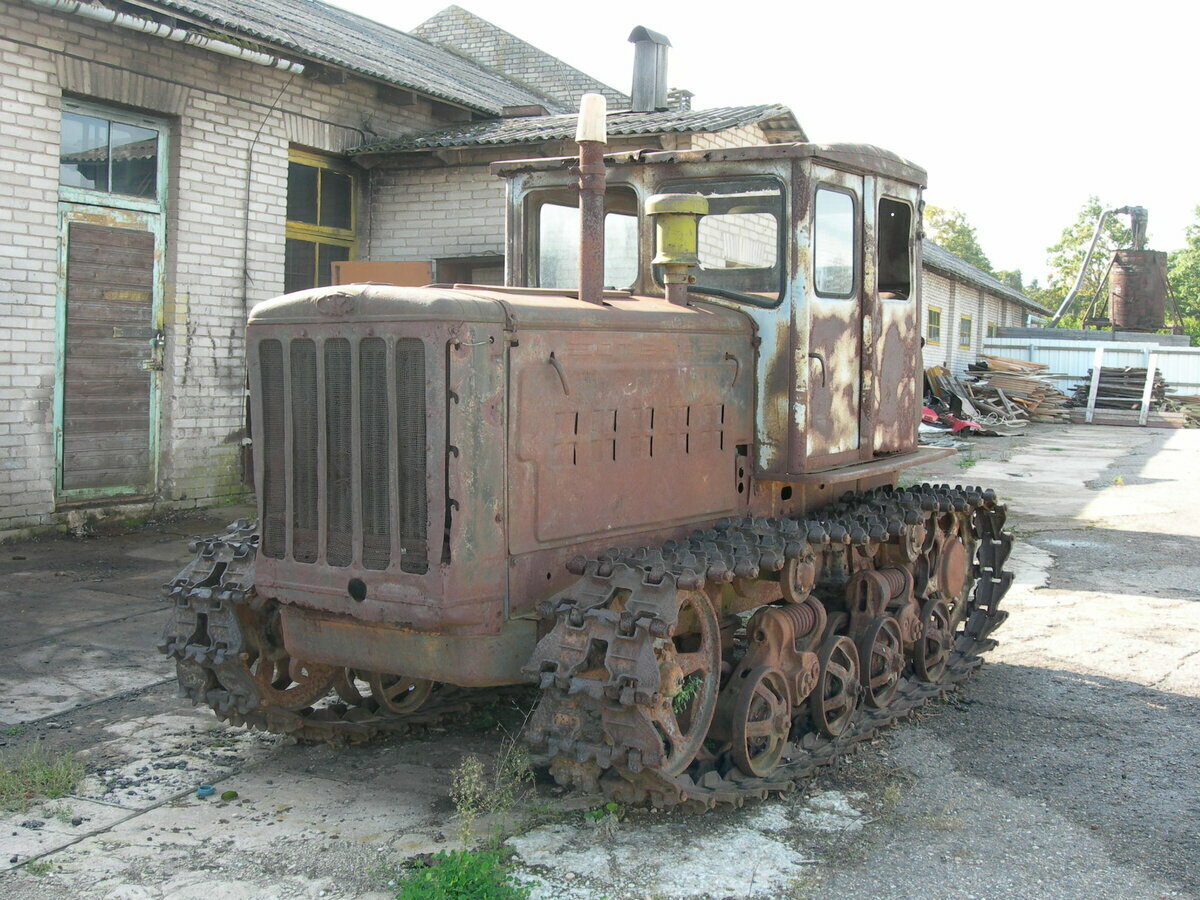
pixel 110 353
pixel 835 302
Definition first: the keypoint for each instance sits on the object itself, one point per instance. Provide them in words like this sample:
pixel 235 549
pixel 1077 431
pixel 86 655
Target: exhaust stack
pixel 591 135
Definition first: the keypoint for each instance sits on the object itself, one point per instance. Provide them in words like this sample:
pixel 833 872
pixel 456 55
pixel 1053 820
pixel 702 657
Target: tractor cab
pixel 817 244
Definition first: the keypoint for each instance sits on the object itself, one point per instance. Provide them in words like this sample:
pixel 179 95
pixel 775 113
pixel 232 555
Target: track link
pixel 218 627
pixel 598 725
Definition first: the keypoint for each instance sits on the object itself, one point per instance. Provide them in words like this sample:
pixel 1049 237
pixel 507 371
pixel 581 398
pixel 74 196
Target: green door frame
pixel 117 211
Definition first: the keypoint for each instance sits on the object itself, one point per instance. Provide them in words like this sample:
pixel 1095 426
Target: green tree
pixel 1012 279
pixel 951 231
pixel 1183 271
pixel 1066 258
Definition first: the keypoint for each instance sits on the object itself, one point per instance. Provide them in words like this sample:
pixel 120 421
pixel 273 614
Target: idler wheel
pixel 881 651
pixel 398 694
pixel 686 705
pixel 762 717
pixel 931 654
pixel 952 567
pixel 288 683
pixel 832 702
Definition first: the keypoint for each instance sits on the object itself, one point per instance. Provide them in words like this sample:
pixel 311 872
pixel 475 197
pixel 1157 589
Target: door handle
pixel 821 359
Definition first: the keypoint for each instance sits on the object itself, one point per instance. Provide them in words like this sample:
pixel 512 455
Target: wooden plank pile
pixel 1121 388
pixel 1119 395
pixel 1015 390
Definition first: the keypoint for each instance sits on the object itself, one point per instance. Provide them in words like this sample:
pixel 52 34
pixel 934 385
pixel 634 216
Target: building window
pixel 320 220
pixel 964 332
pixel 933 325
pixel 107 153
pixel 991 329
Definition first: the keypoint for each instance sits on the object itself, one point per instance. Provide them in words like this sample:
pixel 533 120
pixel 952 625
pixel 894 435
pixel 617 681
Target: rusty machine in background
pixel 1138 289
pixel 655 475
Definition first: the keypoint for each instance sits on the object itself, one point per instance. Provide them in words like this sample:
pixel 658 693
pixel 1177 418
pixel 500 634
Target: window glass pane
pixel 739 237
pixel 833 243
pixel 83 158
pixel 620 251
pixel 327 254
pixel 299 265
pixel 895 250
pixel 738 241
pixel 336 191
pixel 134 160
pixel 558 244
pixel 302 193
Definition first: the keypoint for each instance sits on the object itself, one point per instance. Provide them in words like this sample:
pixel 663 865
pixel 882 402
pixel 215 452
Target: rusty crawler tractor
pixel 665 495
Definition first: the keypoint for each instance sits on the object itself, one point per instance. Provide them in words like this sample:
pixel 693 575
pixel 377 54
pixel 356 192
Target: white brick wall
pixel 216 106
pixel 423 214
pixel 956 299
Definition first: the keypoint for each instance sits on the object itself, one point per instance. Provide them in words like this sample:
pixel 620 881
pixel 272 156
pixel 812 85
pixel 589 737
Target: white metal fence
pixel 1069 361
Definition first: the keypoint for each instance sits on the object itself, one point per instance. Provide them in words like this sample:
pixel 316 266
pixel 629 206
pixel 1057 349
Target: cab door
pixel 837 305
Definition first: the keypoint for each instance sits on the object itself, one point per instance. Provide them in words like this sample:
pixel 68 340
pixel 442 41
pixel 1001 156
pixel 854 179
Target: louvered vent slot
pixel 274 487
pixel 304 451
pixel 410 444
pixel 339 460
pixel 374 432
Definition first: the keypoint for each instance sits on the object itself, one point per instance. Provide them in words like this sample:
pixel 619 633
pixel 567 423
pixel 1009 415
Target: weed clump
pixel 463 875
pixel 37 773
pixel 478 790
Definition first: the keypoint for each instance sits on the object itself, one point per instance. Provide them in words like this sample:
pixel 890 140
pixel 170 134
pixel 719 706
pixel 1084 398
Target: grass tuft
pixel 463 875
pixel 37 773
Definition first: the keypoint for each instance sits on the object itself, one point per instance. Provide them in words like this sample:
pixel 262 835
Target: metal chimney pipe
pixel 591 135
pixel 649 70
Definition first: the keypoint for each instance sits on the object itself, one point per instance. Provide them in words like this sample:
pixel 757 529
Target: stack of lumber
pixel 1188 405
pixel 1121 388
pixel 1119 395
pixel 1015 389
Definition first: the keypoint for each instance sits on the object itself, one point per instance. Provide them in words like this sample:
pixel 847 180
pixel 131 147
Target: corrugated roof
pixel 944 261
pixel 326 33
pixel 562 127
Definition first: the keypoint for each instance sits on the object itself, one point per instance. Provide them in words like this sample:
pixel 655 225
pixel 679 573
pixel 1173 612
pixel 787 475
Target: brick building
pixel 146 153
pixel 166 164
pixel 964 306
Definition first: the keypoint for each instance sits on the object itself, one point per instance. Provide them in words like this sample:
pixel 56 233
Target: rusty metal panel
pixel 831 432
pixel 107 388
pixel 619 432
pixel 896 366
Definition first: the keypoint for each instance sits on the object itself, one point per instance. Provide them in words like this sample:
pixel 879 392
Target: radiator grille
pixel 373 431
pixel 274 534
pixel 304 451
pixel 358 411
pixel 339 461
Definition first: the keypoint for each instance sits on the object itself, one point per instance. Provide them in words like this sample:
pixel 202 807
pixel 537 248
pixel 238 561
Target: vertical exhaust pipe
pixel 591 135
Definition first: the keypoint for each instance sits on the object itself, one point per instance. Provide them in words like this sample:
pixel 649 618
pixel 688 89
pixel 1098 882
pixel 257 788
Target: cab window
pixel 740 239
pixel 894 228
pixel 834 251
pixel 555 226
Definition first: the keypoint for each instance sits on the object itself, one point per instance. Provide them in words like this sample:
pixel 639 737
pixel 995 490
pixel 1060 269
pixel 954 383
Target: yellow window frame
pixel 966 324
pixel 320 234
pixel 933 325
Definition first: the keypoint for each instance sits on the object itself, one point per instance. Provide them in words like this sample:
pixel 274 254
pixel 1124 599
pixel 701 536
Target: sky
pixel 1018 111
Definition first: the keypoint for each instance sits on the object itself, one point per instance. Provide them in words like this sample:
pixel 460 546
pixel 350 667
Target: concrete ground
pixel 1066 768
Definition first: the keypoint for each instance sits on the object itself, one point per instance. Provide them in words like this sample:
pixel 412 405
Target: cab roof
pixel 864 158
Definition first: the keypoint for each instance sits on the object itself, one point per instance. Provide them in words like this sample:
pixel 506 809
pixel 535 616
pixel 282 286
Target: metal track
pixel 218 630
pixel 594 723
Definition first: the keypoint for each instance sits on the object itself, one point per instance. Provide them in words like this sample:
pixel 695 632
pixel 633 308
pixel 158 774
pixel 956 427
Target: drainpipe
pixel 591 135
pixel 157 29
